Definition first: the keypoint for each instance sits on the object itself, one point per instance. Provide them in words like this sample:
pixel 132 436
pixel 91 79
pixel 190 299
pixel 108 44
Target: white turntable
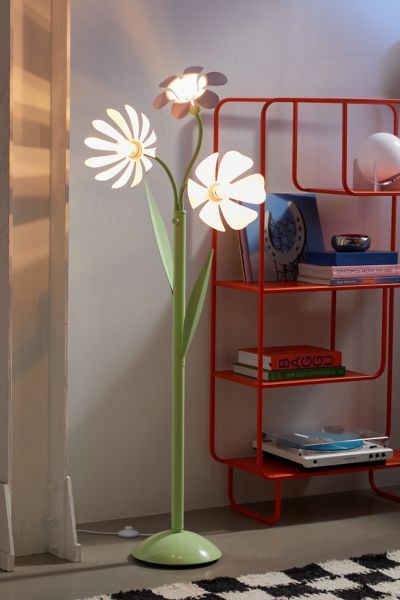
pixel 325 446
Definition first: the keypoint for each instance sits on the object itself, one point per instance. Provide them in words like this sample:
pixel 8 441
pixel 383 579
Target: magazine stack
pixel 350 268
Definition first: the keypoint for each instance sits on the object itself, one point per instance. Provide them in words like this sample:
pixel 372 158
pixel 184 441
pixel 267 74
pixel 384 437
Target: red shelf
pixel 277 468
pixel 274 468
pixel 282 287
pixel 250 381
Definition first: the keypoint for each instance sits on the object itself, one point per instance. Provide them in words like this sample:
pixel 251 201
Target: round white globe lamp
pixel 379 158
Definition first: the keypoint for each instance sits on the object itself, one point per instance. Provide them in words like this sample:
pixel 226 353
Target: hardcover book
pixel 349 281
pixel 292 229
pixel 370 257
pixel 292 374
pixel 279 358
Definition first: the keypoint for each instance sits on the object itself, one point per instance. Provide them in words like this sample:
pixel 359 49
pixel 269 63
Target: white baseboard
pixel 63 538
pixel 7 561
pixel 7 555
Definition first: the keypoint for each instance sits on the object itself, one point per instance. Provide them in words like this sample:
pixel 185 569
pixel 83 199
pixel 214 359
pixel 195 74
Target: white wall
pixel 119 354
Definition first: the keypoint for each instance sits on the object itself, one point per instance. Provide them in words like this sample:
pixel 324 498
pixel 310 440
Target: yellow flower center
pixel 136 149
pixel 213 194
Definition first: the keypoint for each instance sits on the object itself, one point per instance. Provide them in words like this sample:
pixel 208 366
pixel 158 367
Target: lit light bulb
pixel 218 193
pixel 189 91
pixel 187 88
pixel 379 158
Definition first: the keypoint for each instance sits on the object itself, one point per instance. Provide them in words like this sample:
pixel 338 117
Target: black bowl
pixel 351 242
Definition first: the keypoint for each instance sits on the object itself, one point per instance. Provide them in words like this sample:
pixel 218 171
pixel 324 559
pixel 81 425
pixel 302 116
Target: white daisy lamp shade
pixel 379 158
pixel 221 192
pixel 126 149
pixel 189 90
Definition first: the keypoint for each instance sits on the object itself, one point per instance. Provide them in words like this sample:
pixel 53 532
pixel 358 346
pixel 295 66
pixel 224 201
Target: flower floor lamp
pixel 129 147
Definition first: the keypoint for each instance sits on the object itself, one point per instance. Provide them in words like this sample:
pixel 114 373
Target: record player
pixel 319 446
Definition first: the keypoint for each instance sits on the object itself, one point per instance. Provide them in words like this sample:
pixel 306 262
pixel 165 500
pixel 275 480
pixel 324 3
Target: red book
pixel 282 358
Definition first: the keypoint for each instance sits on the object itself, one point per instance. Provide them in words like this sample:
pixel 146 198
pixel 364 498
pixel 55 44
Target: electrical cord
pixel 126 532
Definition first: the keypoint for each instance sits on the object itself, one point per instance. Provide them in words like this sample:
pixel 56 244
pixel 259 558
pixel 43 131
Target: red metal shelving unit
pixel 268 467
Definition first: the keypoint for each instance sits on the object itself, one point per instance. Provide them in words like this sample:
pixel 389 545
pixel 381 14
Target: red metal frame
pixel 270 468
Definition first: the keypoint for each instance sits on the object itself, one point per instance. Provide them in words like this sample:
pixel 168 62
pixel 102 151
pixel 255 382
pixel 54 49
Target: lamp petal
pixel 120 121
pixel 110 173
pixel 192 70
pixel 103 161
pixel 249 189
pixel 208 100
pixel 124 177
pixel 197 194
pixel 167 81
pixel 180 110
pixel 236 215
pixel 232 165
pixel 160 101
pixel 146 163
pixel 150 140
pixel 216 78
pixel 150 152
pixel 107 129
pixel 206 170
pixel 138 174
pixel 99 144
pixel 145 127
pixel 134 119
pixel 211 217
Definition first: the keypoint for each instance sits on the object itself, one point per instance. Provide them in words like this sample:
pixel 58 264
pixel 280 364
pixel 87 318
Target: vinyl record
pixel 320 442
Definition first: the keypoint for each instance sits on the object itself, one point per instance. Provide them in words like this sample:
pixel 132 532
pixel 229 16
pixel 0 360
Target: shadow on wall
pixel 136 426
pixel 31 124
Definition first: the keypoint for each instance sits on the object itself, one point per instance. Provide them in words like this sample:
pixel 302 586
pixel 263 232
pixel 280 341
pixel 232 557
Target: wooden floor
pixel 311 529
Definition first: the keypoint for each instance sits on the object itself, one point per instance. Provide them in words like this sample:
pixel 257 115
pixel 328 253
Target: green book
pixel 337 371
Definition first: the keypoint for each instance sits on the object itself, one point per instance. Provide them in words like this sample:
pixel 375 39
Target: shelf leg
pixel 380 492
pixel 250 513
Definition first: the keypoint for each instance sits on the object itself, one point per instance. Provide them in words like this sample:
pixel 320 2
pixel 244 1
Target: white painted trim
pixel 6 540
pixel 35 353
pixel 5 129
pixel 72 550
pixel 62 531
pixel 6 537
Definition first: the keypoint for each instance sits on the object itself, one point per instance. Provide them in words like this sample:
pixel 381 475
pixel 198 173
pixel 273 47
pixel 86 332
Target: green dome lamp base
pixel 177 549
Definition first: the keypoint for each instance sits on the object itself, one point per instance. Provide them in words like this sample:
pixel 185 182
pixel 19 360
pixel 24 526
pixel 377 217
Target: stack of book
pixel 350 268
pixel 285 363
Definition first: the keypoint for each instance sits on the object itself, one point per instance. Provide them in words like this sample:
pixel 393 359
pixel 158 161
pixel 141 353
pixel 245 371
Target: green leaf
pixel 162 238
pixel 196 303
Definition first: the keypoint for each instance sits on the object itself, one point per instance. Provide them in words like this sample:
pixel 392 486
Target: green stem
pixel 171 178
pixel 178 373
pixel 178 358
pixel 193 159
pixel 178 354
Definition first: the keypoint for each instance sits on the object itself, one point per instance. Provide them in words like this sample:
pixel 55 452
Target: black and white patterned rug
pixel 363 578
